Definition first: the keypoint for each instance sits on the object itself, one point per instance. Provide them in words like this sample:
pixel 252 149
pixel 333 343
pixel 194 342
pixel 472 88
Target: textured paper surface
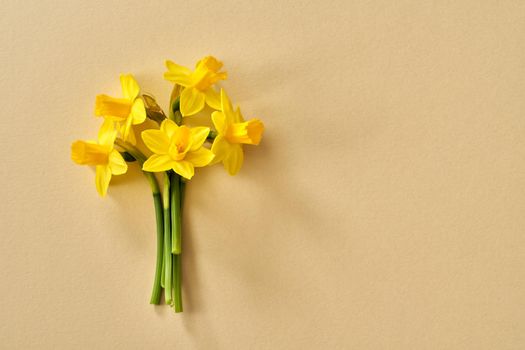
pixel 384 208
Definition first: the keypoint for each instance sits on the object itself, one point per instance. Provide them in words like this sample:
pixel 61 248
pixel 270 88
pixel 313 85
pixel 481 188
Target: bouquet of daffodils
pixel 173 151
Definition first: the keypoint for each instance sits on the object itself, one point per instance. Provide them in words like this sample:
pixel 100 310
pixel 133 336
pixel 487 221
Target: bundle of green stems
pixel 168 213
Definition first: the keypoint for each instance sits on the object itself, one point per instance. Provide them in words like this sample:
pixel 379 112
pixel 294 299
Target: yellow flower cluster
pixel 174 147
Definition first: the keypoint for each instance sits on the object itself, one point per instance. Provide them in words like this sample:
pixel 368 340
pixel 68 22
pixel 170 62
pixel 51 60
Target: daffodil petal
pixel 220 149
pixel 177 74
pixel 226 107
pixel 184 169
pixel 237 116
pixel 158 162
pixel 107 133
pixel 176 68
pixel 138 112
pixel 234 159
pixel 125 129
pixel 117 164
pixel 191 101
pixel 130 87
pixel 102 179
pixel 156 141
pixel 213 99
pixel 198 136
pixel 131 136
pixel 219 121
pixel 200 157
pixel 169 127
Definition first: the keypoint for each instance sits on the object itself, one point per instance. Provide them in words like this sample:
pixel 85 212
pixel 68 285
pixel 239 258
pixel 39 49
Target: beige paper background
pixel 383 210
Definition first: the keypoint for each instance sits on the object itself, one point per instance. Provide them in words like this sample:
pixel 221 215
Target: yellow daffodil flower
pixel 232 132
pixel 198 85
pixel 101 154
pixel 176 147
pixel 125 111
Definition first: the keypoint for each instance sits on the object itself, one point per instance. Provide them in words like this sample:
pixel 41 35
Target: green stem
pixel 174 113
pixel 163 270
pixel 176 248
pixel 158 282
pixel 178 265
pixel 159 218
pixel 167 241
pixel 157 285
pixel 177 277
pixel 176 218
pixel 176 211
pixel 182 195
pixel 132 150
